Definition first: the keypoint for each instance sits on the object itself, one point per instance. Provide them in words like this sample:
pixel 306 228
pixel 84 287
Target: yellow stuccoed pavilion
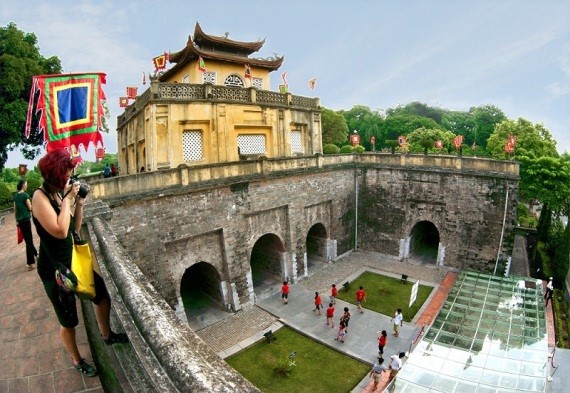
pixel 214 114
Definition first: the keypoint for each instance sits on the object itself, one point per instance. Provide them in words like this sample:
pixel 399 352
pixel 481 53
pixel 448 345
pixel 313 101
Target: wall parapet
pixel 184 176
pixel 174 356
pixel 160 92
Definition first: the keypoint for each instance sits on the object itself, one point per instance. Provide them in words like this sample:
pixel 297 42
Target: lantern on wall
pixel 355 138
pixel 99 154
pixel 22 169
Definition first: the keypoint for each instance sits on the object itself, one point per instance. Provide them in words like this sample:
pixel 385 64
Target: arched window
pixel 233 81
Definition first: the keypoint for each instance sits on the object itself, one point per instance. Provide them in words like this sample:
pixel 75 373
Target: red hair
pixel 54 166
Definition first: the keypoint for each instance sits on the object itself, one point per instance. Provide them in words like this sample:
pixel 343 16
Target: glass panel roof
pixel 490 336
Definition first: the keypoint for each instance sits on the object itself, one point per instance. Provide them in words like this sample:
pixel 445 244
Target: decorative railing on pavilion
pixel 184 92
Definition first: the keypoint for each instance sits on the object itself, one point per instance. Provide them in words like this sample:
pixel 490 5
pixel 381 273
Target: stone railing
pixel 159 91
pixel 207 175
pixel 164 354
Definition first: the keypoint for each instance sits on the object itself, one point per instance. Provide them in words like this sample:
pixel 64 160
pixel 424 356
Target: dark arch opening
pixel 200 291
pixel 424 242
pixel 316 246
pixel 265 260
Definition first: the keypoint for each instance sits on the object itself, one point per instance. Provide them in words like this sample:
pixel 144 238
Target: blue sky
pixel 451 54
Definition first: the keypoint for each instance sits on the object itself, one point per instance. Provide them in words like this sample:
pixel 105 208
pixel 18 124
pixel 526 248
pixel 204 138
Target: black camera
pixel 83 188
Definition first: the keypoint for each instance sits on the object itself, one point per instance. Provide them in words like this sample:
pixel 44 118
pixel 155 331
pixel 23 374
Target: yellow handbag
pixel 82 267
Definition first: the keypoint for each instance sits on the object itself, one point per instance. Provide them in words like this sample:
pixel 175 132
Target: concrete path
pixel 32 358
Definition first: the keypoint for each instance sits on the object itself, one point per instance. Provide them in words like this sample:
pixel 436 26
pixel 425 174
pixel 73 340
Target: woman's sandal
pixel 85 368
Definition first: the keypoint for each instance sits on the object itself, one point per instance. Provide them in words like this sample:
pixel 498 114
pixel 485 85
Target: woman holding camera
pixel 57 211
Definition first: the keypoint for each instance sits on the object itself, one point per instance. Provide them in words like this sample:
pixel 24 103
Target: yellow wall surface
pixel 222 70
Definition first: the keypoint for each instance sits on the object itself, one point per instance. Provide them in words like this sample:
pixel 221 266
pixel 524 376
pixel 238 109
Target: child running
pixel 318 303
pixel 285 292
pixel 330 316
pixel 360 297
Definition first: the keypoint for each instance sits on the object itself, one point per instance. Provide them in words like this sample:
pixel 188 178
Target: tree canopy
pixel 334 127
pixel 532 140
pixel 20 59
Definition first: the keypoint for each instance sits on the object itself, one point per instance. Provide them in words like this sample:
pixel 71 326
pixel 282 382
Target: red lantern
pixel 99 154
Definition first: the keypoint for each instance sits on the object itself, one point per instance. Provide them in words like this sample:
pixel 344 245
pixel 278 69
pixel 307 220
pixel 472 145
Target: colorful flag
pixel 160 62
pixel 284 77
pixel 144 79
pixel 123 102
pixel 458 141
pixel 247 72
pixel 438 144
pixel 132 93
pixel 312 83
pixel 201 64
pixel 69 109
pixel 402 140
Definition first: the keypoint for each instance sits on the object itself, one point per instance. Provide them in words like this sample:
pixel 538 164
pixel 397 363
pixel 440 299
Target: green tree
pixel 423 139
pixel 532 140
pixel 334 127
pixel 20 59
pixel 460 123
pixel 394 126
pixel 367 123
pixel 418 109
pixel 484 118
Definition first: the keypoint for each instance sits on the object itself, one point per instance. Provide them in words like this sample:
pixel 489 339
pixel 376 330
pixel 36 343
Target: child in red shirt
pixel 285 292
pixel 330 315
pixel 360 297
pixel 382 341
pixel 334 292
pixel 318 303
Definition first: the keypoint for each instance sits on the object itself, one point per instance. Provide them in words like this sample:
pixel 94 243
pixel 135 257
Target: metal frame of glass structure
pixel 489 336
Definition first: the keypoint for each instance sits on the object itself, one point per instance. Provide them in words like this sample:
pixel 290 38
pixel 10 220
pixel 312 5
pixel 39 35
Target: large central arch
pixel 424 242
pixel 267 264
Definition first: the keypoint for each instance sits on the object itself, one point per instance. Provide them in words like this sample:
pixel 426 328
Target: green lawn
pixel 386 294
pixel 318 368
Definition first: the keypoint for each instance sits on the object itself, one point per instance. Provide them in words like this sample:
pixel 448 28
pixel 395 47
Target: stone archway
pixel 424 242
pixel 267 264
pixel 201 294
pixel 316 246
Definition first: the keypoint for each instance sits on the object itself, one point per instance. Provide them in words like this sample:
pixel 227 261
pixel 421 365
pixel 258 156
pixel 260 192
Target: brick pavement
pixel 32 358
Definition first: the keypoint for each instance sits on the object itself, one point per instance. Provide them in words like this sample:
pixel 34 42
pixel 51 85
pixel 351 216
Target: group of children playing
pixel 397 321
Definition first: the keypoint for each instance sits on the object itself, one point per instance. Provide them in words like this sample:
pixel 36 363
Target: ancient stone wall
pixel 168 234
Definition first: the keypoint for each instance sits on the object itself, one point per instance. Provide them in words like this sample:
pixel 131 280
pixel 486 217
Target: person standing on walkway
pixel 330 315
pixel 107 171
pixel 341 332
pixel 376 372
pixel 395 365
pixel 23 212
pixel 57 211
pixel 549 291
pixel 360 297
pixel 285 292
pixel 334 293
pixel 382 341
pixel 318 303
pixel 398 321
pixel 345 318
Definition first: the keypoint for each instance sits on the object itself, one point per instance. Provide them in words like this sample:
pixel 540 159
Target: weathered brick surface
pixel 168 234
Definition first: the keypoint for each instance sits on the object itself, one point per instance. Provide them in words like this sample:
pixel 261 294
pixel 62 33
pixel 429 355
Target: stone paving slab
pixel 32 358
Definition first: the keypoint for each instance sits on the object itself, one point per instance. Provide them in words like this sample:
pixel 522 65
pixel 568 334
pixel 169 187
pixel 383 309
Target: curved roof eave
pixel 200 36
pixel 190 53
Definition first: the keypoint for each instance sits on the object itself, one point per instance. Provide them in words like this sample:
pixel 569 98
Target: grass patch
pixel 318 368
pixel 562 324
pixel 385 294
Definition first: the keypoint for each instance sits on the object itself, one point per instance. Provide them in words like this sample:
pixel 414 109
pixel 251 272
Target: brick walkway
pixel 32 358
